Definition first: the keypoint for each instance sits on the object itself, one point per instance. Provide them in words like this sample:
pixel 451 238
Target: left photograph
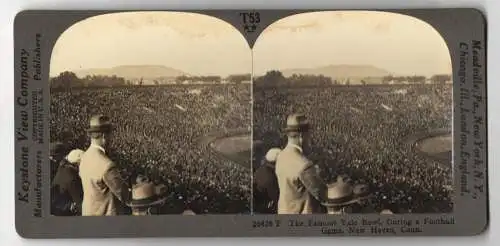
pixel 150 114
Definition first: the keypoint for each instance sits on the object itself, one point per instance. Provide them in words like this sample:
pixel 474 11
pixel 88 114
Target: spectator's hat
pixel 386 211
pixel 75 156
pixel 100 123
pixel 297 123
pixel 272 154
pixel 342 193
pixel 147 194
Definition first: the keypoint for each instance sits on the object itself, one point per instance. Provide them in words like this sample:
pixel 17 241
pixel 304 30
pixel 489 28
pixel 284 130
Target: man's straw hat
pixel 342 193
pixel 100 123
pixel 297 123
pixel 147 194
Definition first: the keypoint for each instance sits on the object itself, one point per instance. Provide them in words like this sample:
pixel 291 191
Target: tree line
pixel 69 79
pixel 276 78
pixel 271 78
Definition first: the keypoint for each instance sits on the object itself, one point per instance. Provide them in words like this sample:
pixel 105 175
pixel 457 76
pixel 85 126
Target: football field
pixel 437 148
pixel 236 148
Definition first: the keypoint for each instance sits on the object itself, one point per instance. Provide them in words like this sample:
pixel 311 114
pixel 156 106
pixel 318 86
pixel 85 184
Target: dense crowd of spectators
pixel 157 132
pixel 360 131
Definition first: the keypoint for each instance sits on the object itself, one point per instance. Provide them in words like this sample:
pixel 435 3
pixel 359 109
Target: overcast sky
pixel 196 44
pixel 397 43
pixel 203 45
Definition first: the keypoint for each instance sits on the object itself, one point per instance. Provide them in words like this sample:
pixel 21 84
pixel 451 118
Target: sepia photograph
pixel 352 113
pixel 150 113
pixel 250 122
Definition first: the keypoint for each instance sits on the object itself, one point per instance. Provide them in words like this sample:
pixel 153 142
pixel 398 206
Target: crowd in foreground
pixel 360 132
pixel 355 131
pixel 156 135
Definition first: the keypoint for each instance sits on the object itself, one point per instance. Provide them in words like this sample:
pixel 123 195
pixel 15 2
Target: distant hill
pixel 340 71
pixel 133 72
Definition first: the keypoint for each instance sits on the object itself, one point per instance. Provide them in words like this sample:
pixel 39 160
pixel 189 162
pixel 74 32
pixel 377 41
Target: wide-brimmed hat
pixel 147 194
pixel 100 123
pixel 342 193
pixel 297 123
pixel 272 154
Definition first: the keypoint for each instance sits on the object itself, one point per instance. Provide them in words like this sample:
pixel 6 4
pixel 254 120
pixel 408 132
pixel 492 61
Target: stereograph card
pixel 235 123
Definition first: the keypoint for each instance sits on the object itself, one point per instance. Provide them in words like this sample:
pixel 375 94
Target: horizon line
pixel 390 73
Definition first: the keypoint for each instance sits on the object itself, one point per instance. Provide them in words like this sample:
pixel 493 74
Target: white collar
pixel 296 146
pixel 98 147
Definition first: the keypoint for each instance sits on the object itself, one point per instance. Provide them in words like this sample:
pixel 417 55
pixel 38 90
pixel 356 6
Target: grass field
pixel 437 148
pixel 236 148
pixel 435 145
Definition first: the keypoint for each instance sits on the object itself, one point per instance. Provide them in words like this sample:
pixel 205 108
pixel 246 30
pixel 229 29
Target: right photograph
pixel 352 113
